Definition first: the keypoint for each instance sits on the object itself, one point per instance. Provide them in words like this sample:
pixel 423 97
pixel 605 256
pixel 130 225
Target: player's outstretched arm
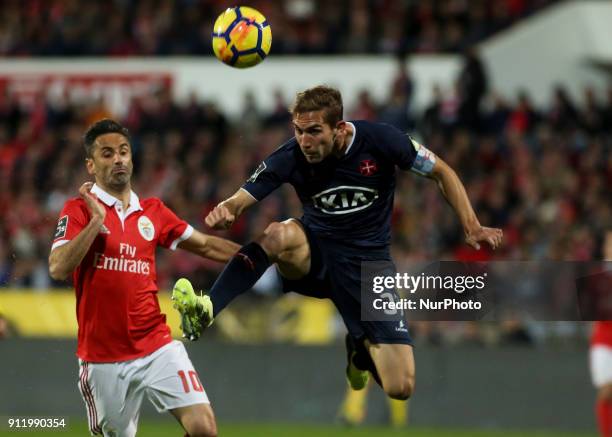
pixel 455 194
pixel 64 259
pixel 225 213
pixel 209 246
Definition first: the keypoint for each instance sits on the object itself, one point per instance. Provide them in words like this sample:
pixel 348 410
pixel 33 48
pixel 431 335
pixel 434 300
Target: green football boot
pixel 196 311
pixel 356 377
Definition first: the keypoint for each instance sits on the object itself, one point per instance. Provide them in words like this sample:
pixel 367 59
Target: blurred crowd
pixel 184 27
pixel 542 174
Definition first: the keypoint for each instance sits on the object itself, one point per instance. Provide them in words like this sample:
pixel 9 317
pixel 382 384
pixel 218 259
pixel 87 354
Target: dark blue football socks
pixel 239 275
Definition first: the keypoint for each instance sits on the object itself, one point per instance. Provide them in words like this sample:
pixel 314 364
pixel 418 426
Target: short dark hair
pixel 101 127
pixel 319 98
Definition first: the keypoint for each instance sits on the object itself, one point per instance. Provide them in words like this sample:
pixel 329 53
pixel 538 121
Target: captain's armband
pixel 425 159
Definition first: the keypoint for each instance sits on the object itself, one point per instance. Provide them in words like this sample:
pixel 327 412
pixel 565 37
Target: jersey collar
pixel 110 200
pixel 352 139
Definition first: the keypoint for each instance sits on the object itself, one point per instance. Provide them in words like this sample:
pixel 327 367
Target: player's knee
pixel 204 433
pixel 400 389
pixel 200 425
pixel 401 393
pixel 203 429
pixel 275 237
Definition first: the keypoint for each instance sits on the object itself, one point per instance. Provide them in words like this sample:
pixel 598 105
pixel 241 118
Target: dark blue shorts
pixel 335 273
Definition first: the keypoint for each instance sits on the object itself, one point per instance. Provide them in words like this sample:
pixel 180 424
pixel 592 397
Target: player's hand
pixel 220 217
pixel 93 204
pixel 492 236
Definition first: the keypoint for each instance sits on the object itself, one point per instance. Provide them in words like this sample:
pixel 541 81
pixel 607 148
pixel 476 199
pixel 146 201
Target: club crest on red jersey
pixel 146 228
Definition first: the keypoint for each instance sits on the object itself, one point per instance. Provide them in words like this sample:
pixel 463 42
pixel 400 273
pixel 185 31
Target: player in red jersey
pixel 601 361
pixel 107 240
pixel 601 372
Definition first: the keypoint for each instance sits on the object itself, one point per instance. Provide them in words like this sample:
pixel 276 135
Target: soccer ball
pixel 241 37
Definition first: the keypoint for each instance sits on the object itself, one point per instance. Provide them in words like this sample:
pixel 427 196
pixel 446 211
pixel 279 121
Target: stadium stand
pixel 163 28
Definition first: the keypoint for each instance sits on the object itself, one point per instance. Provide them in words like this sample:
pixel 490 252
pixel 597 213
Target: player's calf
pixel 397 380
pixel 395 366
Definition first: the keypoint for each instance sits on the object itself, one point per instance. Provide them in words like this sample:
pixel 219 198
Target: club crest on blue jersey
pixel 368 167
pixel 344 199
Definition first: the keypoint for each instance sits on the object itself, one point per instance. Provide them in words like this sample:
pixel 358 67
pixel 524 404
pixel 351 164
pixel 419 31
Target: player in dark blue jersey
pixel 344 174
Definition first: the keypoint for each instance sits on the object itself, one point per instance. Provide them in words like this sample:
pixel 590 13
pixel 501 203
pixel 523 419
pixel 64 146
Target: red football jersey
pixel 116 292
pixel 602 333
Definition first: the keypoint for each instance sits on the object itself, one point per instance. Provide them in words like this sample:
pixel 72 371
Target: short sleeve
pixel 396 145
pixel 271 173
pixel 173 230
pixel 73 218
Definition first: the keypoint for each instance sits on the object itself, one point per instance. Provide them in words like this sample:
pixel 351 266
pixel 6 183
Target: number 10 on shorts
pixel 195 381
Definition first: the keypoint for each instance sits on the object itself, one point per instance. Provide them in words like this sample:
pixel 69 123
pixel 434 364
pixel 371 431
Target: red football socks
pixel 604 417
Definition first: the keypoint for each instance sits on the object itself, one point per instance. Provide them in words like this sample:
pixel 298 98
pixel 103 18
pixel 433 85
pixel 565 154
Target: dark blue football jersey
pixel 347 199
